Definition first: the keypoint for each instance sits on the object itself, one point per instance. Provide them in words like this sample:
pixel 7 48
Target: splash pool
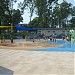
pixel 66 46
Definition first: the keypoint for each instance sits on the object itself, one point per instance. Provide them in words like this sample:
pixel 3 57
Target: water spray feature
pixel 72 36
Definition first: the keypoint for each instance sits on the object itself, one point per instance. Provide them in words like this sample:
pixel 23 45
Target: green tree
pixel 42 8
pixel 65 11
pixel 28 4
pixel 8 14
pixel 6 6
pixel 34 23
pixel 2 9
pixel 44 11
pixel 17 16
pixel 48 15
pixel 72 21
pixel 73 11
pixel 61 13
pixel 41 11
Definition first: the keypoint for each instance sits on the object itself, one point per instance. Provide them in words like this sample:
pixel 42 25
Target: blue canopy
pixel 18 27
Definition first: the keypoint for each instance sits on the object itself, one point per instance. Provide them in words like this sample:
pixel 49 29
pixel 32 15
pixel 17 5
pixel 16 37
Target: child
pixel 50 38
pixel 67 38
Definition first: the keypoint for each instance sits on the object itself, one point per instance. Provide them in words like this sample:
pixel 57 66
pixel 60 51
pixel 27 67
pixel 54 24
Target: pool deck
pixel 23 62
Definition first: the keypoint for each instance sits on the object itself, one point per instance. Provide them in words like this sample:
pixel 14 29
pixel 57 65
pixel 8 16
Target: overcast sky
pixel 27 14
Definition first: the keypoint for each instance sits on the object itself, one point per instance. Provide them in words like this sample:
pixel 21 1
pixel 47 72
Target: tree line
pixel 50 14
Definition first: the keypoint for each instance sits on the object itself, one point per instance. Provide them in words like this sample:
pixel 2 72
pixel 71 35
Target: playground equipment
pixel 11 29
pixel 7 27
pixel 71 32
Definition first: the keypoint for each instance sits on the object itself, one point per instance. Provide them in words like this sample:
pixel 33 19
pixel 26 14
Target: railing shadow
pixel 5 71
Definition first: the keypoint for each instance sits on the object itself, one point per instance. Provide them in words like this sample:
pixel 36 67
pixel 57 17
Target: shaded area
pixel 18 27
pixel 5 71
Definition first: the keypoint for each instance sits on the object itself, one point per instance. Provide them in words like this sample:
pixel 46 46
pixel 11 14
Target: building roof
pixel 56 29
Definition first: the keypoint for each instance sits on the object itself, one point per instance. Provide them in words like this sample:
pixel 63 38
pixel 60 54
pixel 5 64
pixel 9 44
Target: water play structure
pixel 11 27
pixel 66 46
pixel 19 28
pixel 72 35
pixel 6 26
